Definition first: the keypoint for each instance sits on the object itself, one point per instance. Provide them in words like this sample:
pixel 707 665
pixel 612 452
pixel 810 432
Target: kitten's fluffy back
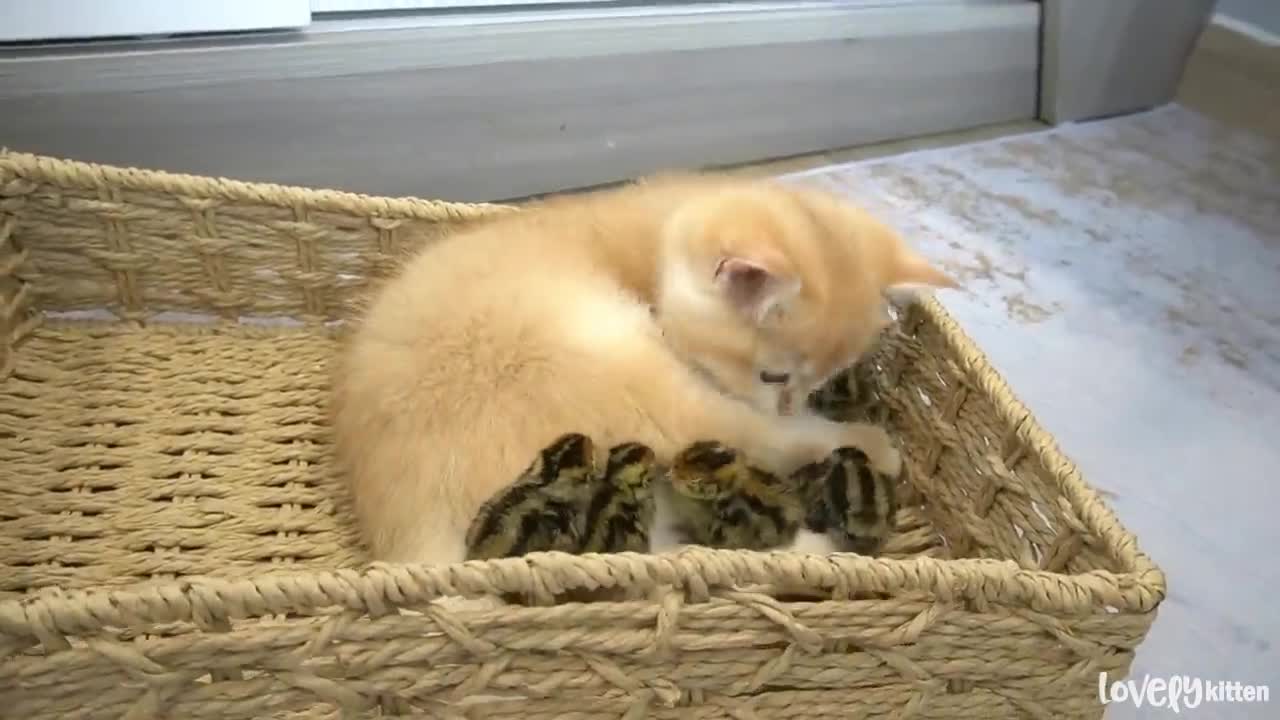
pixel 480 352
pixel 489 345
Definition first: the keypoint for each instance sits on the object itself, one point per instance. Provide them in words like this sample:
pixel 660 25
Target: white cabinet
pixel 323 6
pixel 34 20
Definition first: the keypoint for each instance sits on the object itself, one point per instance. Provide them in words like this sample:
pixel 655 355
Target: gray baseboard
pixel 493 112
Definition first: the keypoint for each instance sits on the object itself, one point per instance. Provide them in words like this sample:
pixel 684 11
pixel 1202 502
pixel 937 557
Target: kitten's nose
pixel 784 402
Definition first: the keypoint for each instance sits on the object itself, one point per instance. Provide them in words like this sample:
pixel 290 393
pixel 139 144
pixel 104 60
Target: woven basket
pixel 174 541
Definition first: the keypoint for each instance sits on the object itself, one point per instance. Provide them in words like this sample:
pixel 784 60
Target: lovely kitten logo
pixel 1179 692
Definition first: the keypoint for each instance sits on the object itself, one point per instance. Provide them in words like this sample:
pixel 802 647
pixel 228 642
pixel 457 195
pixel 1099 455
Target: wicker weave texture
pixel 173 540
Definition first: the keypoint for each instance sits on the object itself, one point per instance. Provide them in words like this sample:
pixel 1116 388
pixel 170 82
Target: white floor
pixel 1124 277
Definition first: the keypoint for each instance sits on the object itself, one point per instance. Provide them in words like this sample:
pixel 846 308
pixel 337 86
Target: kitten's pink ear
pixel 752 288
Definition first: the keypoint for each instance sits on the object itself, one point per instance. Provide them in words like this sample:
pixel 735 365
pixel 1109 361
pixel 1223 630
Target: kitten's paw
pixel 883 455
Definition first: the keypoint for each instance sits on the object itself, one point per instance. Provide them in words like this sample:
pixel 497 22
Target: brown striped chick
pixel 850 502
pixel 620 515
pixel 543 510
pixel 719 500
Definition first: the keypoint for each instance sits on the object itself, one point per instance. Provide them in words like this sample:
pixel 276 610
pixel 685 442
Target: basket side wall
pixel 140 245
pixel 17 309
pixel 997 486
pixel 718 655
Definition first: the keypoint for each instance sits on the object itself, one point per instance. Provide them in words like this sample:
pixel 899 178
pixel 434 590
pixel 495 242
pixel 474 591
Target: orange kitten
pixel 489 345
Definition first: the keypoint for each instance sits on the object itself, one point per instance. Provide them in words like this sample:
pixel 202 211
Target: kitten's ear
pixel 753 288
pixel 911 271
pixel 900 266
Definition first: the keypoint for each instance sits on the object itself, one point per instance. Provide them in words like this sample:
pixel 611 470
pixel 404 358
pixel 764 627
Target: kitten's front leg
pixel 694 412
pixel 800 440
pixel 882 452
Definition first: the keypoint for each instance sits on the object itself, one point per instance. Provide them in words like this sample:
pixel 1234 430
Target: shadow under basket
pixel 174 541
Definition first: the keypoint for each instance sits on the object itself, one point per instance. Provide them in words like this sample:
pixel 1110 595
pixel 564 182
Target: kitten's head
pixel 772 290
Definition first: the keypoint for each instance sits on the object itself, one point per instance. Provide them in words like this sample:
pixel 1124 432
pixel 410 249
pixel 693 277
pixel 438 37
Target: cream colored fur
pixel 489 345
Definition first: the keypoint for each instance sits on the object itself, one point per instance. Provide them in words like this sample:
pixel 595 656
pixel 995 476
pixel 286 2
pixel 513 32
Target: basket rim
pixel 15 165
pixel 48 615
